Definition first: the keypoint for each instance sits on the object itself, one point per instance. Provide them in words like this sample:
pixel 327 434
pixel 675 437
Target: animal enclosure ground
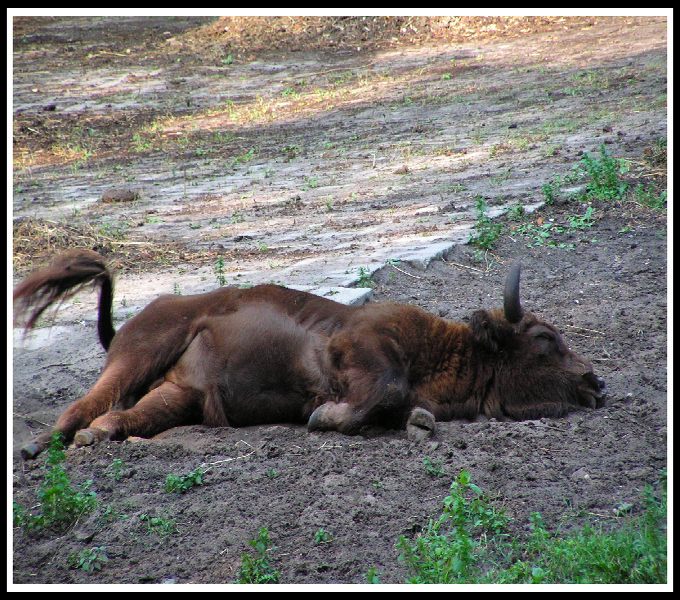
pixel 303 168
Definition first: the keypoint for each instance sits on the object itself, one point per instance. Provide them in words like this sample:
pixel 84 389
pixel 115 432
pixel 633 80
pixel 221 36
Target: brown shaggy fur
pixel 269 354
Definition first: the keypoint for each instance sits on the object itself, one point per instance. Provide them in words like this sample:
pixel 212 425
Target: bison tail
pixel 65 277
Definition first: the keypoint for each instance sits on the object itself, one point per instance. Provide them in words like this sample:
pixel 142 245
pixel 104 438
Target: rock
pixel 120 195
pixel 580 474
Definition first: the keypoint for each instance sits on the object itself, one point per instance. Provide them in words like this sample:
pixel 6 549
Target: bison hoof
pixel 420 425
pixel 30 451
pixel 88 437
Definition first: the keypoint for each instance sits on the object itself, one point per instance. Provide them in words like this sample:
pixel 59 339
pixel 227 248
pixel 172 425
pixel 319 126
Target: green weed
pixel 364 279
pixel 448 549
pixel 88 559
pixel 433 468
pixel 486 230
pixel 604 175
pixel 649 197
pixel 158 525
pixel 469 543
pixel 584 221
pixel 372 576
pixel 61 504
pixel 257 568
pixel 322 536
pixel 219 272
pixel 182 483
pixel 115 469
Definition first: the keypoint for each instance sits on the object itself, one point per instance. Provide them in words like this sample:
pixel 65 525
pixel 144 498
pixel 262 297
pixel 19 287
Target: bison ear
pixel 490 331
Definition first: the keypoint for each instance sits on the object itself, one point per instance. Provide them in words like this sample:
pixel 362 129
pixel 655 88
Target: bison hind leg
pixel 166 406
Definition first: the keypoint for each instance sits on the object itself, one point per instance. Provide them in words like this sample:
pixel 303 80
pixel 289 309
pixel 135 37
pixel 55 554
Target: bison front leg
pixel 166 406
pixel 385 406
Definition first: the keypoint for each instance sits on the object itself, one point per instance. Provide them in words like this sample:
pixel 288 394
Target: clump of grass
pixel 604 175
pixel 88 559
pixel 364 279
pixel 61 504
pixel 219 272
pixel 651 198
pixel 256 568
pixel 486 230
pixel 468 543
pixel 449 547
pixel 182 483
pixel 433 468
pixel 161 526
pixel 321 536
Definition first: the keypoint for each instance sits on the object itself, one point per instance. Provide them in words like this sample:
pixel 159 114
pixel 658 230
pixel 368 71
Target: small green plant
pixel 372 576
pixel 486 231
pixel 584 221
pixel 159 525
pixel 649 197
pixel 115 469
pixel 604 175
pixel 516 213
pixel 60 503
pixel 322 536
pixel 257 568
pixel 310 183
pixel 433 468
pixel 88 559
pixel 219 272
pixel 448 548
pixel 541 235
pixel 469 543
pixel 272 473
pixel 182 483
pixel 243 158
pixel 364 279
pixel 176 289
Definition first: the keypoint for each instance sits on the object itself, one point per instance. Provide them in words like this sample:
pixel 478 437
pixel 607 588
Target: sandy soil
pixel 396 150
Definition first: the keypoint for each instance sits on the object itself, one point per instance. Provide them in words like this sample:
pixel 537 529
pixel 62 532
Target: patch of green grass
pixel 372 576
pixel 486 230
pixel 321 536
pixel 648 196
pixel 61 504
pixel 433 468
pixel 161 526
pixel 516 212
pixel 542 235
pixel 183 483
pixel 364 279
pixel 311 183
pixel 88 559
pixel 219 272
pixel 115 469
pixel 256 568
pixel 582 222
pixel 449 548
pixel 604 182
pixel 469 543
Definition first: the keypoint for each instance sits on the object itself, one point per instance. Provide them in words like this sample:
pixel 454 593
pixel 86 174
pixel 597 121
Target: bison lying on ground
pixel 268 354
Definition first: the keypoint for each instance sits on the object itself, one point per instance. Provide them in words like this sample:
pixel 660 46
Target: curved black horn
pixel 511 303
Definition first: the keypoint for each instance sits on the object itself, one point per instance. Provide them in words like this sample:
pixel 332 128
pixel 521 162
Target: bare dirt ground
pixel 302 167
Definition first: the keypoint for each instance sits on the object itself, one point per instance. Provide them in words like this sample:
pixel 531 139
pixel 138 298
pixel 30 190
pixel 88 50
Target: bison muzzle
pixel 268 354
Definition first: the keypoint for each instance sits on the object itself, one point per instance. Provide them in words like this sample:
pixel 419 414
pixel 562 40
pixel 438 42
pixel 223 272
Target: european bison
pixel 268 354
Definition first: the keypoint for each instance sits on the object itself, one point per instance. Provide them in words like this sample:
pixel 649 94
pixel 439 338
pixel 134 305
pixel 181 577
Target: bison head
pixel 530 370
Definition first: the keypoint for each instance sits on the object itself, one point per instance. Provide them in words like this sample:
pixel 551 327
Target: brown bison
pixel 268 354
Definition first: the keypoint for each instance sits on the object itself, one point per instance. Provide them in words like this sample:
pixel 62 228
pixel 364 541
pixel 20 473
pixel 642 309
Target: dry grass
pixel 242 35
pixel 37 241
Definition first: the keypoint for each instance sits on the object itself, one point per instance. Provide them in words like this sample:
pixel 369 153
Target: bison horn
pixel 511 304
